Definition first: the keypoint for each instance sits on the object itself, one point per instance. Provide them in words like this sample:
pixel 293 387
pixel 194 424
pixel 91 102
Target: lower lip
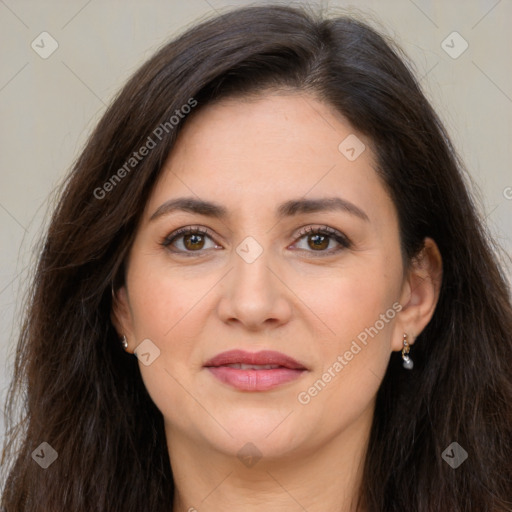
pixel 254 380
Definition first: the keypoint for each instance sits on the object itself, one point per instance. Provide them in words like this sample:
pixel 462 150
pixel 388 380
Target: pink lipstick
pixel 254 371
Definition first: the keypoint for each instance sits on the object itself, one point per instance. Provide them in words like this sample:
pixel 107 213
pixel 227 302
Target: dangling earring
pixel 407 361
pixel 124 342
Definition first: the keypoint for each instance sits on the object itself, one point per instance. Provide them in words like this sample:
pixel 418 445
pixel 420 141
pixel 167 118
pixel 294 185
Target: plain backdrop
pixel 50 103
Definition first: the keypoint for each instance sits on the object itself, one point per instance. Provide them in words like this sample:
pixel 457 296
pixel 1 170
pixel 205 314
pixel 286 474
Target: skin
pixel 311 304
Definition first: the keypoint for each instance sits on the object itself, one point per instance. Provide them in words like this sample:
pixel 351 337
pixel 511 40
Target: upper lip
pixel 263 357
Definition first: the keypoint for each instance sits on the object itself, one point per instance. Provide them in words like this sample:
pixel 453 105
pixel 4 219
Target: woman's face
pixel 252 274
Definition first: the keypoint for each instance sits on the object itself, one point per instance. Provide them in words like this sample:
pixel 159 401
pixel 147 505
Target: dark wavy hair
pixel 80 391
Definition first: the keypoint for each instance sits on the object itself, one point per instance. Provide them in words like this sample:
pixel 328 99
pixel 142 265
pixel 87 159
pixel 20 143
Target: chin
pixel 268 433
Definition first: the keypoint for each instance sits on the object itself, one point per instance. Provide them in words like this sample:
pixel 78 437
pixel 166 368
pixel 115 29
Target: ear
pixel 420 293
pixel 121 315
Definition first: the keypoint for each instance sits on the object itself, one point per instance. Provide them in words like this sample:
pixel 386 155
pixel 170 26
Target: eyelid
pixel 169 239
pixel 309 228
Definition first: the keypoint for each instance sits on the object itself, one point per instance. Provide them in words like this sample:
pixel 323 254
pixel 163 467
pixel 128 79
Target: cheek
pixel 353 299
pixel 164 298
pixel 170 309
pixel 162 310
pixel 360 307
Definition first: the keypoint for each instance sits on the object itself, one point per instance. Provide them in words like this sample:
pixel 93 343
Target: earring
pixel 124 342
pixel 407 361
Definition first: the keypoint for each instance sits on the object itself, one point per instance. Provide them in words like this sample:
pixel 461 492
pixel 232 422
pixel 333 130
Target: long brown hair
pixel 85 397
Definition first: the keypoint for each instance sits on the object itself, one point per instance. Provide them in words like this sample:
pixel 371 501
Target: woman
pixel 265 287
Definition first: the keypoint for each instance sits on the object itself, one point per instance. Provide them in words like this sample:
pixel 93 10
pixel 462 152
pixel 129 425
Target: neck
pixel 325 477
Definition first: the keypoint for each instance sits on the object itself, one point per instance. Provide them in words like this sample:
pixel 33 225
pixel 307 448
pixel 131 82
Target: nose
pixel 254 295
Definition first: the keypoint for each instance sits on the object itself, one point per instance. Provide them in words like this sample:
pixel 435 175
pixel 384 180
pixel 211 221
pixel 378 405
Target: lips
pixel 263 358
pixel 254 371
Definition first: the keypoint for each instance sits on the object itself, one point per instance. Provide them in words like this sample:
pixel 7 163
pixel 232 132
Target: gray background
pixel 49 106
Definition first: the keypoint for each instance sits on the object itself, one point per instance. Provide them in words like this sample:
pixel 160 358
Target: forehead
pixel 282 128
pixel 266 150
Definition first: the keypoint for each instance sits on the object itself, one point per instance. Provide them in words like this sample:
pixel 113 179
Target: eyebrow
pixel 286 209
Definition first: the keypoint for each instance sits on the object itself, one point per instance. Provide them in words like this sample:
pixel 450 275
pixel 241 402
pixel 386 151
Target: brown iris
pixel 193 241
pixel 318 241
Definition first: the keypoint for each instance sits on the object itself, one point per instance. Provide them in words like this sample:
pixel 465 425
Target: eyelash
pixel 339 237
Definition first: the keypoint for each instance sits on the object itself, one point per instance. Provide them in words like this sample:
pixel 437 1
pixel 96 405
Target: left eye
pixel 322 239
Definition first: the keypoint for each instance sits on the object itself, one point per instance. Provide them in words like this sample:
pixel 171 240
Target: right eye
pixel 189 240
